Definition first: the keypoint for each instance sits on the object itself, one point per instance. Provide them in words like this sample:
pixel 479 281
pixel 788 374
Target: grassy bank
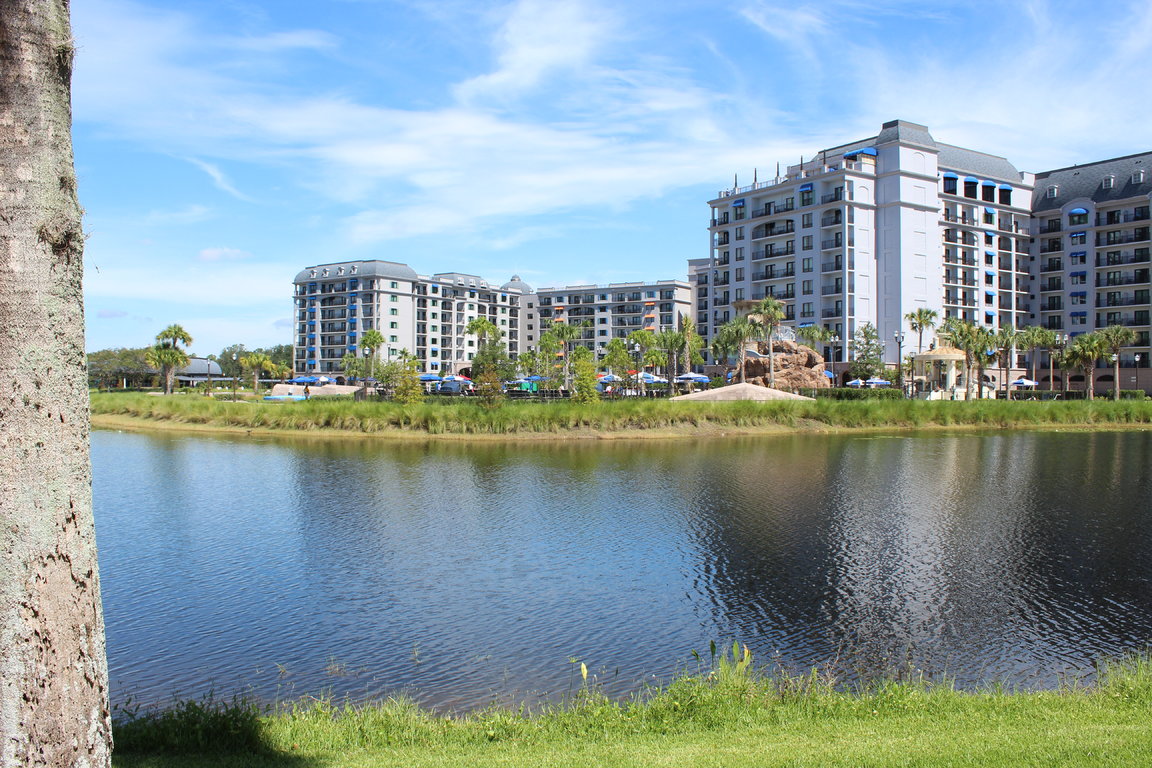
pixel 730 717
pixel 622 418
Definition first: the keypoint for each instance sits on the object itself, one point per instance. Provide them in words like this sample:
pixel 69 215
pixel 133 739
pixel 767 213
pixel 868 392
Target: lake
pixel 464 575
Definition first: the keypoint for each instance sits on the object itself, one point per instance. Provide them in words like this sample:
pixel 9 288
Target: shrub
pixel 852 393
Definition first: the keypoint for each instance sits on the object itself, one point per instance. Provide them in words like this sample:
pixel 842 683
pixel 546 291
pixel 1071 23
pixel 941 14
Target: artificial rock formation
pixel 797 366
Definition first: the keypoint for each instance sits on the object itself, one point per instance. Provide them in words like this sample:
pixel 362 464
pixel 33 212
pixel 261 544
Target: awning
pixel 990 272
pixel 989 293
pixel 1006 187
pixel 989 210
pixel 1079 314
pixel 972 179
pixel 987 183
pixel 737 203
pixel 1077 211
pixel 1079 274
pixel 1079 293
pixel 1078 253
pixel 950 175
pixel 805 187
pixel 989 253
pixel 868 151
pixel 1077 234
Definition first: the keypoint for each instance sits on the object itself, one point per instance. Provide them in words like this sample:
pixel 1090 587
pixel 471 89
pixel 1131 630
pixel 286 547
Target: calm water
pixel 470 574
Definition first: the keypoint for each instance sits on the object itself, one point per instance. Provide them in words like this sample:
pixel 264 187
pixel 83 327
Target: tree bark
pixel 53 671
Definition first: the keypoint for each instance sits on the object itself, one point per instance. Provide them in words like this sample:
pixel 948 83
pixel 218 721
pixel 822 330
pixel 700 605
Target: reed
pixel 468 418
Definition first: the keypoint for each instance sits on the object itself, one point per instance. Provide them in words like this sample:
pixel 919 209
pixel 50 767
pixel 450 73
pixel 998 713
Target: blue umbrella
pixel 305 380
pixel 430 377
pixel 856 383
pixel 877 382
pixel 610 378
pixel 533 378
pixel 829 374
pixel 698 377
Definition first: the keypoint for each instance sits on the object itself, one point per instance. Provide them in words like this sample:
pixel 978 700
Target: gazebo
pixel 935 372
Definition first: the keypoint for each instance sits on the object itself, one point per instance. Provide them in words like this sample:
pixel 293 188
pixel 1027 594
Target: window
pixel 806 264
pixel 393 339
pixel 739 257
pixel 989 217
pixel 393 311
pixel 988 193
pixel 1078 298
pixel 394 285
pixel 806 220
pixel 739 273
pixel 1079 319
pixel 950 183
pixel 393 297
pixel 1052 192
pixel 1138 177
pixel 970 188
pixel 1107 182
pixel 739 294
pixel 739 233
pixel 393 325
pixel 1078 238
pixel 1079 257
pixel 1005 196
pixel 806 287
pixel 806 242
pixel 1078 278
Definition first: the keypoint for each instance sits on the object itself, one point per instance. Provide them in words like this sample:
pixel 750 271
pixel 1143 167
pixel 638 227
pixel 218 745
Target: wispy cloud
pixel 218 178
pixel 189 214
pixel 111 314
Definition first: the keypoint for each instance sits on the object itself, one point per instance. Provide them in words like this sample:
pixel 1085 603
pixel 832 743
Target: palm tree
pixel 921 320
pixel 644 340
pixel 1033 338
pixel 961 334
pixel 767 314
pixel 256 362
pixel 693 342
pixel 735 335
pixel 1006 339
pixel 1083 353
pixel 670 342
pixel 566 334
pixel 1113 338
pixel 167 358
pixel 174 335
pixel 984 348
pixel 371 342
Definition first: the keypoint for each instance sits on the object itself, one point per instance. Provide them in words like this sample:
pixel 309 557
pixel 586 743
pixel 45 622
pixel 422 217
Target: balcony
pixel 836 242
pixel 723 239
pixel 835 312
pixel 832 221
pixel 1140 276
pixel 773 251
pixel 968 261
pixel 832 266
pixel 1052 247
pixel 1139 256
pixel 830 290
pixel 774 231
pixel 965 238
pixel 1131 320
pixel 722 261
pixel 957 280
pixel 782 295
pixel 956 218
pixel 1050 227
pixel 1052 265
pixel 1119 238
pixel 1054 324
pixel 1052 305
pixel 1111 218
pixel 720 221
pixel 771 273
pixel 837 194
pixel 1140 298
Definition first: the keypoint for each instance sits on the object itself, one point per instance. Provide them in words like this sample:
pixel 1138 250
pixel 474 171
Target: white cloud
pixel 218 178
pixel 189 214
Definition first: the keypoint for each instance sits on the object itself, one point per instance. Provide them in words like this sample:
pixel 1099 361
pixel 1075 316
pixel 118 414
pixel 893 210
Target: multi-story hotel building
pixel 429 315
pixel 1092 239
pixel 870 231
pixel 615 310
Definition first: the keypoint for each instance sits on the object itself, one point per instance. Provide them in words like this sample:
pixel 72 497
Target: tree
pixel 735 335
pixel 767 314
pixel 1005 341
pixel 371 342
pixel 643 341
pixel 566 334
pixel 868 353
pixel 54 693
pixel 693 343
pixel 670 342
pixel 256 363
pixel 815 335
pixel 229 365
pixel 617 359
pixel 1033 338
pixel 408 390
pixel 584 385
pixel 962 335
pixel 167 359
pixel 174 335
pixel 921 320
pixel 1113 338
pixel 1083 353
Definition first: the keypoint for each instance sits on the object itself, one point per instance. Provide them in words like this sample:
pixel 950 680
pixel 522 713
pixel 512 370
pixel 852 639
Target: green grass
pixel 730 717
pixel 470 418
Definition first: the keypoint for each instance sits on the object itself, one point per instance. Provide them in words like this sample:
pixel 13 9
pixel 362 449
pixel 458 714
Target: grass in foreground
pixel 469 418
pixel 731 717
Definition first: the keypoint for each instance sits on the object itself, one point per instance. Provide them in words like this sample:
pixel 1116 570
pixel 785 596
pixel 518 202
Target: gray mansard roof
pixel 391 270
pixel 977 163
pixel 1084 182
pixel 906 133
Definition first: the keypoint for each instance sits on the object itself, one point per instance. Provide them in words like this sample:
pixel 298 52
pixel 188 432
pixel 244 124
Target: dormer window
pixel 1138 177
pixel 1107 182
pixel 1052 192
pixel 351 270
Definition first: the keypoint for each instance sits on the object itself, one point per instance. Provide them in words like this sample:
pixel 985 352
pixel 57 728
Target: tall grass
pixel 723 698
pixel 469 418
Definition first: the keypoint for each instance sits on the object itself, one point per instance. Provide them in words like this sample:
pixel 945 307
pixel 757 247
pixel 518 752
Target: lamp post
pixel 899 338
pixel 636 348
pixel 234 359
pixel 208 390
pixel 832 342
pixel 1136 369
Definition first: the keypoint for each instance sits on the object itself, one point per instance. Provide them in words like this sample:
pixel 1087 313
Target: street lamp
pixel 636 348
pixel 1058 343
pixel 899 337
pixel 234 358
pixel 832 342
pixel 1136 368
pixel 208 390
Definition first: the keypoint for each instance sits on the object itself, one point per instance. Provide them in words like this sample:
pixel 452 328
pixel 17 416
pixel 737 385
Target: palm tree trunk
pixel 54 698
pixel 743 358
pixel 920 341
pixel 771 359
pixel 1116 378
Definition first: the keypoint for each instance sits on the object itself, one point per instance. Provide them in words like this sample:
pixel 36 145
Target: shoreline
pixel 706 431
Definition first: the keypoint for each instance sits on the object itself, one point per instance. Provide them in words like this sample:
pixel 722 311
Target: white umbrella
pixel 1023 382
pixel 856 383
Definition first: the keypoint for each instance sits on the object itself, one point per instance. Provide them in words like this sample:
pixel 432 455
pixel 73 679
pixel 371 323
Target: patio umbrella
pixel 534 378
pixel 611 378
pixel 856 383
pixel 323 379
pixel 429 377
pixel 305 380
pixel 1023 382
pixel 877 382
pixel 696 377
pixel 454 377
pixel 829 374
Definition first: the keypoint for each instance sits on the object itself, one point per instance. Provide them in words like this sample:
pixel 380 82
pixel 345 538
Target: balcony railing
pixel 829 290
pixel 1139 256
pixel 1140 276
pixel 785 229
pixel 1119 238
pixel 1051 247
pixel 1052 265
pixel 1135 319
pixel 1131 300
pixel 1052 306
pixel 832 197
pixel 836 242
pixel 835 312
pixel 831 221
pixel 1110 219
pixel 773 251
pixel 959 218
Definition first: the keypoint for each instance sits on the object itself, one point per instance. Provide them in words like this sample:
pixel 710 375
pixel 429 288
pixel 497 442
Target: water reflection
pixel 471 573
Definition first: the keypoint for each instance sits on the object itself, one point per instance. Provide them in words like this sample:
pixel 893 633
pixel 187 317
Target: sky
pixel 224 145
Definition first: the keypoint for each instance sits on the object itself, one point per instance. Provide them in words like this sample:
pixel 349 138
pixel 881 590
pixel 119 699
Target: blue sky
pixel 222 145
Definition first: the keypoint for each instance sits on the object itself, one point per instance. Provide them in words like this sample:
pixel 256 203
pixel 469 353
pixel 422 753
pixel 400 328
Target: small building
pixel 197 371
